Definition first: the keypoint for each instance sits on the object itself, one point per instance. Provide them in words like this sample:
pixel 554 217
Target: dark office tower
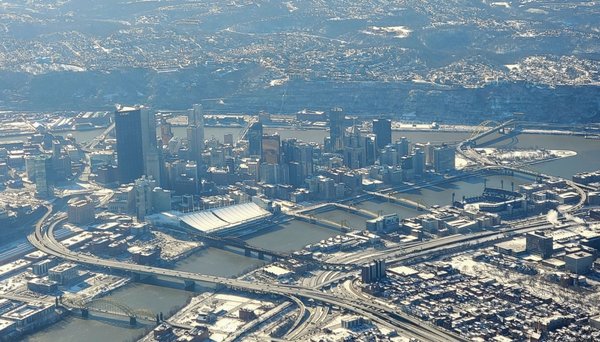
pixel 195 132
pixel 371 149
pixel 137 151
pixel 382 128
pixel 336 129
pixel 287 150
pixel 406 162
pixel 230 164
pixel 254 135
pixel 271 149
pixel 301 155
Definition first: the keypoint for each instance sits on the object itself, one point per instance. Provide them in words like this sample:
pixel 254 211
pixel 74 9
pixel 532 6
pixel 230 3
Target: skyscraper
pixel 419 162
pixel 336 129
pixel 195 132
pixel 355 155
pixel 444 158
pixel 38 170
pixel 137 151
pixel 271 149
pixel 299 157
pixel 254 135
pixel 382 128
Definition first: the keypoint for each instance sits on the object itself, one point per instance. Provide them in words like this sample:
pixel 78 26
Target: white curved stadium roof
pixel 213 220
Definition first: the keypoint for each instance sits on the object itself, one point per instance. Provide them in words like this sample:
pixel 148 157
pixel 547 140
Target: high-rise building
pixel 137 151
pixel 195 132
pixel 429 154
pixel 355 154
pixel 254 136
pixel 382 128
pixel 298 156
pixel 371 149
pixel 271 148
pixel 143 196
pixel 337 126
pixel 403 147
pixel 228 139
pixel 39 169
pixel 419 162
pixel 149 198
pixel 444 158
pixel 80 211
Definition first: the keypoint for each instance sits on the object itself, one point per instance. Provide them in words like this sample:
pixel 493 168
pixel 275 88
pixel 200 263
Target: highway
pixel 43 239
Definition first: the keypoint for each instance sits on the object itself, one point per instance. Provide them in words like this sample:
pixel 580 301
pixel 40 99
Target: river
pixel 294 235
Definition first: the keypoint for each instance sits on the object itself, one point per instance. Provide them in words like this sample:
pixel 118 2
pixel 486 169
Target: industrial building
pixel 29 316
pixel 579 263
pixel 539 243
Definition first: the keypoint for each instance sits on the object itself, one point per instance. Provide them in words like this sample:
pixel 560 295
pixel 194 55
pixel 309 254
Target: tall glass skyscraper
pixel 382 128
pixel 137 152
pixel 337 125
pixel 254 135
pixel 195 133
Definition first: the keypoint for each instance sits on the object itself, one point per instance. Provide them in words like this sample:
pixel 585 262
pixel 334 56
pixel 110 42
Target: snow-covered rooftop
pixel 213 220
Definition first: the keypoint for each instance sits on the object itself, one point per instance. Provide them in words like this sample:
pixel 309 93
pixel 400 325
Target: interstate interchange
pixel 344 296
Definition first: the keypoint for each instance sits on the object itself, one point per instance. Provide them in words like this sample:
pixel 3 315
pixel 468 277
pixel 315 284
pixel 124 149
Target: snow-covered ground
pixel 519 155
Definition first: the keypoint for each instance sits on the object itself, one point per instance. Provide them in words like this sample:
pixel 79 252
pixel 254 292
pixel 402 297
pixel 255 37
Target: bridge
pixel 341 226
pixel 242 135
pixel 108 307
pixel 403 201
pixel 324 207
pixel 483 164
pixel 248 249
pixel 92 144
pixel 44 240
pixel 484 130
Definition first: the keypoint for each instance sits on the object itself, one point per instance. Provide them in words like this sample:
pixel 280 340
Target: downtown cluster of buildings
pixel 153 175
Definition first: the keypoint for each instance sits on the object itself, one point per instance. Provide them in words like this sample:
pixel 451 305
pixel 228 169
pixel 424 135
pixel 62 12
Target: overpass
pixel 44 240
pixel 383 314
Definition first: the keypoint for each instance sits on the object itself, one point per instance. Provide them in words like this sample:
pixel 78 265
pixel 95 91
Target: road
pixel 43 239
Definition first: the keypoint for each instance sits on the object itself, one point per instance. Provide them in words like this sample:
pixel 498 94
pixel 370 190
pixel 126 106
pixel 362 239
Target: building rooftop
pixel 26 310
pixel 213 220
pixel 5 324
pixel 579 255
pixel 62 267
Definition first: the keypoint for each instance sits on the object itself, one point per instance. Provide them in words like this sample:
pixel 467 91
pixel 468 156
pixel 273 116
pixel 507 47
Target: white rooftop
pixel 213 220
